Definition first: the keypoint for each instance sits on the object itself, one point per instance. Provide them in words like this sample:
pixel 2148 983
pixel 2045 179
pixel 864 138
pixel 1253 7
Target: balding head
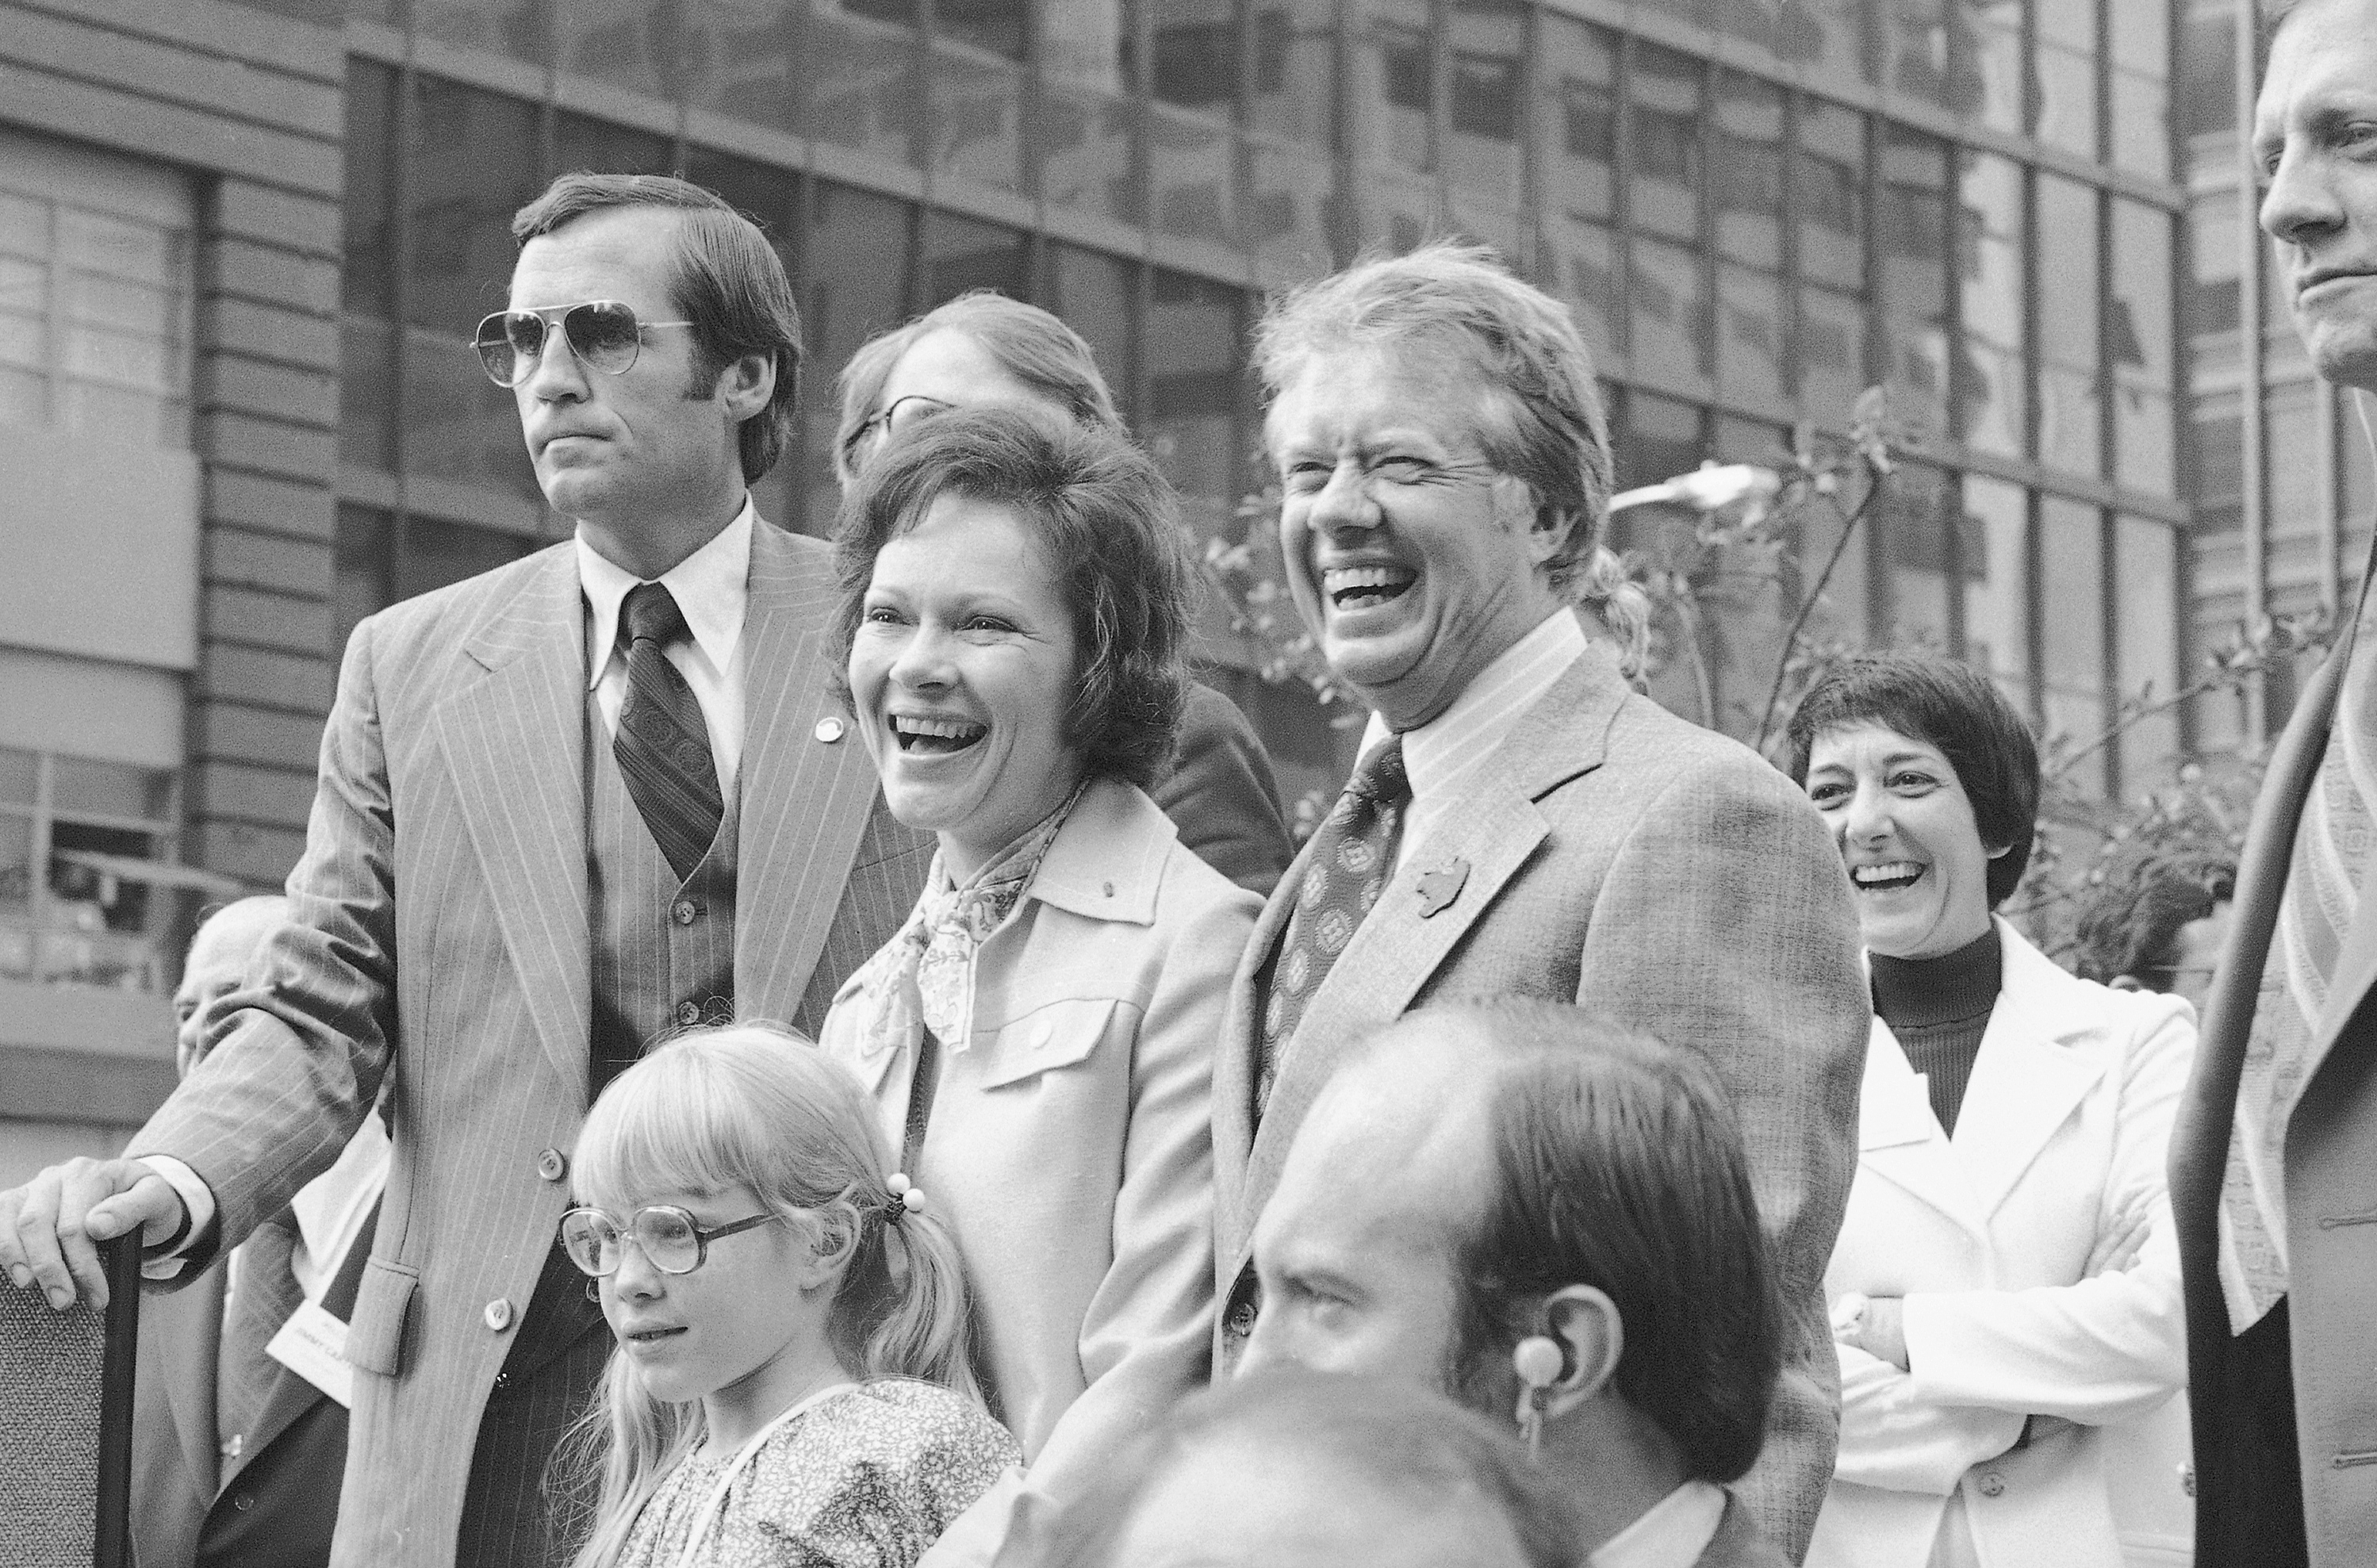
pixel 219 956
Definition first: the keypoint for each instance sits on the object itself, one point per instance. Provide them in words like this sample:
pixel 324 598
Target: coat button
pixel 244 1502
pixel 830 729
pixel 1242 1319
pixel 1992 1484
pixel 551 1164
pixel 688 1013
pixel 686 911
pixel 498 1314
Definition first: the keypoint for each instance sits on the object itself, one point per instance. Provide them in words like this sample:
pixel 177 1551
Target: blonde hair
pixel 1542 420
pixel 757 1105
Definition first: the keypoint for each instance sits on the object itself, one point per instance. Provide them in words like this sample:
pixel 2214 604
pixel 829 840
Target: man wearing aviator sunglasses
pixel 525 860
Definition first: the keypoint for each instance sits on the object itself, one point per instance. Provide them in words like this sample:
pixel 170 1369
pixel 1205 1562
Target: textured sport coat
pixel 1621 858
pixel 441 926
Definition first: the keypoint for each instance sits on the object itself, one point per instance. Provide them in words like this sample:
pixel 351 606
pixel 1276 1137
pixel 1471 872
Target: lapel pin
pixel 830 729
pixel 1439 886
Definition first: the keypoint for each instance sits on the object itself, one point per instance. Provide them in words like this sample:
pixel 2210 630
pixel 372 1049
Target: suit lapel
pixel 516 742
pixel 1398 948
pixel 2035 1064
pixel 805 799
pixel 291 1395
pixel 1900 1140
pixel 2356 968
pixel 187 1373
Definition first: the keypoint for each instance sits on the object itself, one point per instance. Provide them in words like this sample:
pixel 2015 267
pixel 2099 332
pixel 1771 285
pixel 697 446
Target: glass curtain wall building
pixel 1755 208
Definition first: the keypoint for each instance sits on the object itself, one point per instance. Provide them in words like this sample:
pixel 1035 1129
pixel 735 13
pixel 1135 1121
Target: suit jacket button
pixel 1992 1485
pixel 244 1501
pixel 551 1164
pixel 1242 1319
pixel 688 1013
pixel 830 729
pixel 686 911
pixel 498 1314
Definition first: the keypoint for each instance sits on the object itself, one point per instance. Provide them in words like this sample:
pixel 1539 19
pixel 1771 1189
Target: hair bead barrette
pixel 905 1199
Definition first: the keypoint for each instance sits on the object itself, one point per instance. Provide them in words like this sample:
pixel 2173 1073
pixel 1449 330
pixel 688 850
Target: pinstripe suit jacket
pixel 441 930
pixel 1618 857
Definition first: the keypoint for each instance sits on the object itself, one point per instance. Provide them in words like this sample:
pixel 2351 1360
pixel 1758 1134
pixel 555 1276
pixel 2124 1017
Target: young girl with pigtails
pixel 791 1382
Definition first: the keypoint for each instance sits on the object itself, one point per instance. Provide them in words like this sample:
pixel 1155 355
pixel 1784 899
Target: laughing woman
pixel 2005 1290
pixel 1039 1036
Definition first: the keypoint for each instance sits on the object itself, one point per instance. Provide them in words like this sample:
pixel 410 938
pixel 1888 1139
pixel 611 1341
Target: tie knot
pixel 1379 775
pixel 651 612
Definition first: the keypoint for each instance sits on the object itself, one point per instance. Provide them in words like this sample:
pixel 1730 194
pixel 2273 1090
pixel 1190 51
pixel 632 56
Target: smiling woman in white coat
pixel 2006 1291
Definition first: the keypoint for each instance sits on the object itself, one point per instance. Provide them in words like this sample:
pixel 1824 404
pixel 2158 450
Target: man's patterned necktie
pixel 263 1293
pixel 664 744
pixel 2323 894
pixel 1351 857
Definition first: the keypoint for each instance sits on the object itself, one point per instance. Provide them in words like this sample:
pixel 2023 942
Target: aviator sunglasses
pixel 603 334
pixel 670 1238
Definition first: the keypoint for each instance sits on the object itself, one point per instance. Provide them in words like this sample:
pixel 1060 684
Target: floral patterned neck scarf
pixel 923 978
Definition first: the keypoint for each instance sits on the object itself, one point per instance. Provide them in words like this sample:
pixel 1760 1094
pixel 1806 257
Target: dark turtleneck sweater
pixel 1937 1008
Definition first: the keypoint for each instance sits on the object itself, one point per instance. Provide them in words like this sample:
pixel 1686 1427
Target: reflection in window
pixel 1094 294
pixel 2066 60
pixel 1486 88
pixel 1749 332
pixel 1664 113
pixel 857 280
pixel 744 60
pixel 2138 343
pixel 1917 53
pixel 977 113
pixel 1292 193
pixel 1911 242
pixel 1915 517
pixel 628 43
pixel 2213 292
pixel 858 81
pixel 1580 139
pixel 1667 310
pixel 505 27
pixel 1085 153
pixel 581 141
pixel 1585 274
pixel 1832 355
pixel 961 254
pixel 1990 32
pixel 1996 553
pixel 95 317
pixel 461 209
pixel 1196 54
pixel 2145 568
pixel 1828 194
pixel 1827 34
pixel 1748 169
pixel 1295 70
pixel 1394 88
pixel 995 27
pixel 89 890
pixel 1193 367
pixel 2069 400
pixel 378 561
pixel 1991 374
pixel 367 407
pixel 2072 629
pixel 1658 439
pixel 1191 170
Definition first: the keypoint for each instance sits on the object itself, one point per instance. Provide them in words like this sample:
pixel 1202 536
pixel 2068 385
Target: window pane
pixel 2146 568
pixel 762 192
pixel 1486 90
pixel 366 393
pixel 1196 54
pixel 1657 439
pixel 458 424
pixel 1668 309
pixel 2071 628
pixel 80 787
pixel 995 27
pixel 1398 211
pixel 2141 125
pixel 1911 224
pixel 1191 167
pixel 582 142
pixel 1580 106
pixel 507 27
pixel 1295 70
pixel 1915 49
pixel 367 278
pixel 16 897
pixel 1585 274
pixel 1293 192
pixel 742 59
pixel 626 42
pixel 859 82
pixel 1393 86
pixel 1085 159
pixel 1749 332
pixel 1663 123
pixel 1749 172
pixel 977 119
pixel 1828 187
pixel 460 261
pixel 1994 551
pixel 961 254
pixel 1913 515
pixel 1990 34
pixel 1193 361
pixel 858 284
pixel 1832 355
pixel 2067 75
pixel 362 580
pixel 16 776
pixel 1095 295
pixel 1826 34
pixel 437 554
pixel 1991 375
pixel 2070 423
pixel 2139 343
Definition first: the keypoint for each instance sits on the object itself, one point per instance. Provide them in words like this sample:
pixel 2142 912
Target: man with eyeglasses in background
pixel 565 807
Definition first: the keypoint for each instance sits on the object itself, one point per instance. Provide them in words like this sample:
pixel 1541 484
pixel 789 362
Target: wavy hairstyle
pixel 1026 342
pixel 760 1107
pixel 1541 420
pixel 1109 525
pixel 1617 1163
pixel 724 278
pixel 1955 709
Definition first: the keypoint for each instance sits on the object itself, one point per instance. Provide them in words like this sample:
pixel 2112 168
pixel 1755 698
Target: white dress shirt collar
pixel 1673 1532
pixel 709 586
pixel 1440 756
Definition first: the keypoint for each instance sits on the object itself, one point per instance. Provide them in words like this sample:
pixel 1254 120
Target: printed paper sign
pixel 313 1344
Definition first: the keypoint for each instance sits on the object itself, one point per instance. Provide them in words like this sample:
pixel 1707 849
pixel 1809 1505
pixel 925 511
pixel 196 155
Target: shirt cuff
pixel 197 1207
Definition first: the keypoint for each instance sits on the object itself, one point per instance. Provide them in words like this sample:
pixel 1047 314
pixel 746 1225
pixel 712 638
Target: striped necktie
pixel 663 742
pixel 2322 895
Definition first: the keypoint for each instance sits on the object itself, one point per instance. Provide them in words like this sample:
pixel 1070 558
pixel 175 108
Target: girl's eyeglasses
pixel 603 334
pixel 671 1238
pixel 877 428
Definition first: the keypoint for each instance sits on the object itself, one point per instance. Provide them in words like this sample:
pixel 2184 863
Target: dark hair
pixel 1403 1438
pixel 1107 523
pixel 2131 921
pixel 1618 1164
pixel 724 278
pixel 1028 342
pixel 1958 712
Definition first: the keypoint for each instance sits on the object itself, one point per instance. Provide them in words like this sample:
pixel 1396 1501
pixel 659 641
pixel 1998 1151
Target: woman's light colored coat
pixel 2035 1256
pixel 1070 1142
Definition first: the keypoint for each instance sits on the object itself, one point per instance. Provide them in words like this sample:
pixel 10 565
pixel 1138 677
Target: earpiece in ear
pixel 1540 1363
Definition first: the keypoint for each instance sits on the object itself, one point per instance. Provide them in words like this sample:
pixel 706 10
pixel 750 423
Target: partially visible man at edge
pixel 564 806
pixel 1523 821
pixel 2273 1155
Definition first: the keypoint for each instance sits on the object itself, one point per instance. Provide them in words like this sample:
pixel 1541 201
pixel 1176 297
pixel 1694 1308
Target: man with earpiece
pixel 1551 1218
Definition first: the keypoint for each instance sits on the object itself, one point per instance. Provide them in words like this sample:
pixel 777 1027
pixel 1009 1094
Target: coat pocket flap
pixel 1056 1036
pixel 375 1332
